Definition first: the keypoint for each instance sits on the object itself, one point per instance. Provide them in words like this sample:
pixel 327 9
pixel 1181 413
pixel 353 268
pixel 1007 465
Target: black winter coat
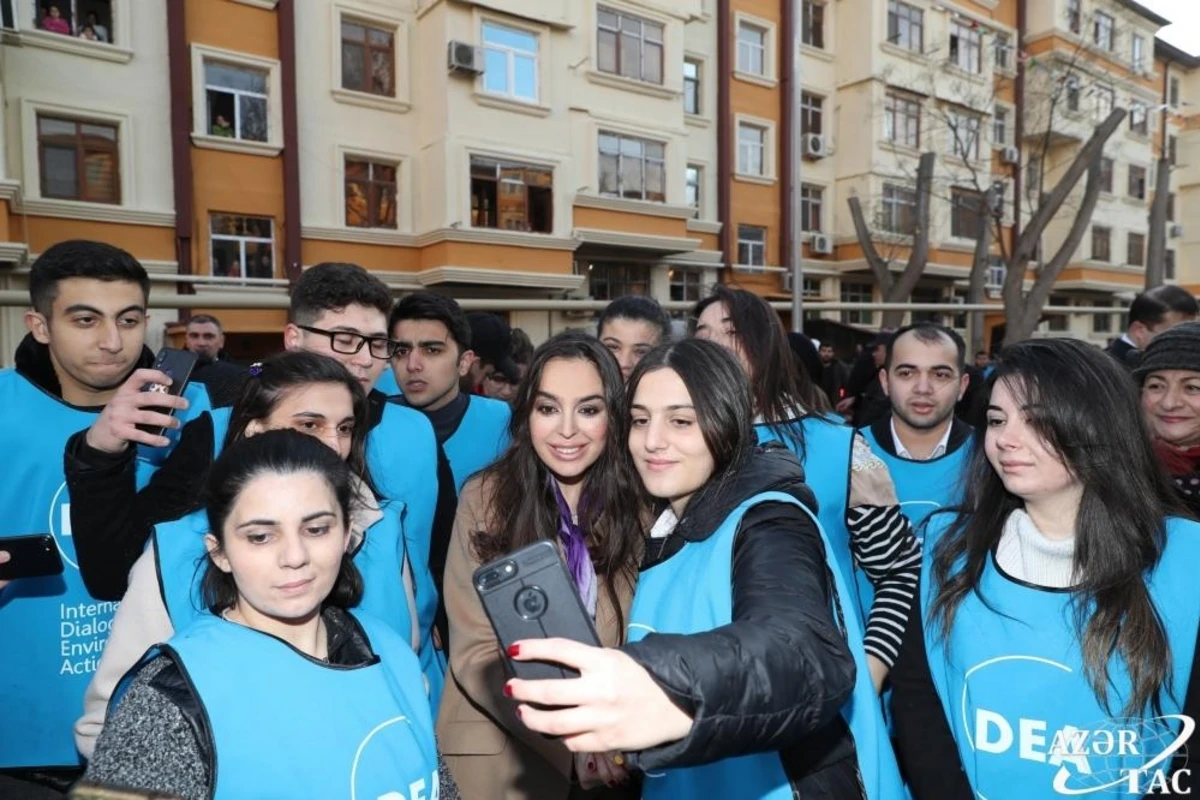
pixel 777 677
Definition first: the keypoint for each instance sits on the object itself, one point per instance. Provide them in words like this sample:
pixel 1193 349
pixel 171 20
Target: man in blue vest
pixel 923 444
pixel 338 310
pixel 86 341
pixel 433 354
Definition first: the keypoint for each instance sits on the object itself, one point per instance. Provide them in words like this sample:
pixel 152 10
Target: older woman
pixel 1169 374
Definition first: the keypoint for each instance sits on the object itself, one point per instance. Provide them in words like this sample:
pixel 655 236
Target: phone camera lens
pixel 531 603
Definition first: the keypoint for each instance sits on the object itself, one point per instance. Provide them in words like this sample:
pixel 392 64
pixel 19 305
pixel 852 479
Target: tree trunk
pixel 1156 255
pixel 1023 312
pixel 899 290
pixel 979 266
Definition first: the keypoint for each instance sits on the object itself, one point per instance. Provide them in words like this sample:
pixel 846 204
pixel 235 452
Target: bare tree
pixel 988 216
pixel 1156 256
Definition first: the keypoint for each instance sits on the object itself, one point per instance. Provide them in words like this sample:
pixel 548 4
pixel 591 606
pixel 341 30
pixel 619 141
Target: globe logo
pixel 378 771
pixel 59 525
pixel 1127 755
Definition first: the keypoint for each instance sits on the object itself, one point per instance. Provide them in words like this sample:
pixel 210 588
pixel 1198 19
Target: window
pixel 811 206
pixel 1002 52
pixel 510 62
pixel 78 160
pixel 686 285
pixel 1102 30
pixel 511 196
pixel 1101 244
pixel 752 149
pixel 1137 118
pixel 1033 176
pixel 1105 99
pixel 87 19
pixel 1137 182
pixel 691 86
pixel 1135 250
pixel 812 31
pixel 1137 46
pixel 1074 16
pixel 926 294
pixel 370 194
pixel 1000 125
pixel 902 120
pixel 855 292
pixel 1106 175
pixel 966 45
pixel 812 288
pixel 963 135
pixel 811 112
pixel 1102 323
pixel 751 49
pixel 1058 323
pixel 752 246
pixel 1171 207
pixel 1073 93
pixel 692 188
pixel 1172 149
pixel 368 59
pixel 906 26
pixel 966 219
pixel 610 281
pixel 997 272
pixel 237 101
pixel 242 247
pixel 1173 93
pixel 632 168
pixel 1169 264
pixel 899 209
pixel 629 46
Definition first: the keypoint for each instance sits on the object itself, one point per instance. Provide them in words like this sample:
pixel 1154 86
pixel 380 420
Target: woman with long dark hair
pixel 632 326
pixel 566 478
pixel 859 510
pixel 1059 603
pixel 278 688
pixel 746 674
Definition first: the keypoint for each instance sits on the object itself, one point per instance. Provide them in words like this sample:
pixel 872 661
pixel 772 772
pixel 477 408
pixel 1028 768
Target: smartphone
pixel 530 595
pixel 178 366
pixel 85 790
pixel 30 557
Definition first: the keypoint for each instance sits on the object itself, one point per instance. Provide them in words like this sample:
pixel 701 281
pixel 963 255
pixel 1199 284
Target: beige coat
pixel 490 753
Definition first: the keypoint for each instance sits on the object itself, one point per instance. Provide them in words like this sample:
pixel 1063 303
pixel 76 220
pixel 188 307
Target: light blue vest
pixel 285 725
pixel 387 384
pixel 1012 686
pixel 481 438
pixel 661 606
pixel 826 461
pixel 924 486
pixel 51 630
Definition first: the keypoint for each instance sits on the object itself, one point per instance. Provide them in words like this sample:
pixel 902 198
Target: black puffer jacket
pixel 777 676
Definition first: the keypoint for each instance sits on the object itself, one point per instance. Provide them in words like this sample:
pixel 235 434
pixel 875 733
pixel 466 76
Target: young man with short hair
pixel 86 344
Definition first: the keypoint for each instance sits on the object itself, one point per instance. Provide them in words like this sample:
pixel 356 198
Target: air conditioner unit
pixel 821 244
pixel 815 146
pixel 1010 155
pixel 995 292
pixel 463 58
pixel 1175 231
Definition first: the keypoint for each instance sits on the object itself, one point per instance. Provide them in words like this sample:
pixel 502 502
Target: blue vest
pixel 923 487
pixel 826 462
pixel 51 630
pixel 659 606
pixel 481 438
pixel 1012 686
pixel 387 384
pixel 362 732
pixel 220 422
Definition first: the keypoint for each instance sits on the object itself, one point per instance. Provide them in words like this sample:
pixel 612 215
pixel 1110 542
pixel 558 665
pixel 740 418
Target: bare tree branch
pixel 902 289
pixel 879 265
pixel 979 264
pixel 1156 256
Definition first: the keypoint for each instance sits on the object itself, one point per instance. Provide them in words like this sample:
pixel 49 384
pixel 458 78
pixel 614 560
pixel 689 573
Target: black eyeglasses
pixel 348 343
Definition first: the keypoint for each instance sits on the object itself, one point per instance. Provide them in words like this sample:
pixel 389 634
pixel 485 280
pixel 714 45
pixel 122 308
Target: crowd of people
pixel 956 581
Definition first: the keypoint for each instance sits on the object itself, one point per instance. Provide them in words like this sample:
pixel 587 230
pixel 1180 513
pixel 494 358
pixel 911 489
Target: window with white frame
pixel 902 120
pixel 1137 52
pixel 685 285
pixel 812 108
pixel 510 62
pixel 629 46
pixel 812 288
pixel 997 272
pixel 237 101
pixel 1002 51
pixel 1138 118
pixel 751 48
pixel 1107 170
pixel 1000 125
pixel 752 246
pixel 692 188
pixel 812 23
pixel 1106 98
pixel 1135 250
pixel 1173 92
pixel 610 281
pixel 242 246
pixel 812 201
pixel 86 19
pixel 899 209
pixel 691 86
pixel 1102 30
pixel 857 292
pixel 1137 182
pixel 752 149
pixel 1071 90
pixel 963 134
pixel 966 45
pixel 1075 16
pixel 906 26
pixel 632 167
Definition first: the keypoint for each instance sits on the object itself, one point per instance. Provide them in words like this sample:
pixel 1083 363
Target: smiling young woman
pixel 1169 373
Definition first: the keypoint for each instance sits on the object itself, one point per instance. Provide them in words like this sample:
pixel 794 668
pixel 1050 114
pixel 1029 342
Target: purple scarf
pixel 574 542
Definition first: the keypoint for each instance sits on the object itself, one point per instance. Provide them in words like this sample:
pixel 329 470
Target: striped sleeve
pixel 884 547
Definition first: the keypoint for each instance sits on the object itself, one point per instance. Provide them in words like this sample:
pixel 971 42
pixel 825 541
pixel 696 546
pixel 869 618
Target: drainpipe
pixel 286 11
pixel 790 162
pixel 724 129
pixel 179 71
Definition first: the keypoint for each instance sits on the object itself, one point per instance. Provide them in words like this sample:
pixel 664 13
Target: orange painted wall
pixel 143 241
pixel 234 26
pixel 708 241
pixel 236 320
pixel 371 256
pixel 1087 274
pixel 489 256
pixel 233 183
pixel 626 222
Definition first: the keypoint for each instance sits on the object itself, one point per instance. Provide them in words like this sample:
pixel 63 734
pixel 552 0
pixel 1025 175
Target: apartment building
pixel 544 149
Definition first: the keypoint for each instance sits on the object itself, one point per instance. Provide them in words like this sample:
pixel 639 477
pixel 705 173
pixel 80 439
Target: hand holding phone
pixel 29 557
pixel 143 408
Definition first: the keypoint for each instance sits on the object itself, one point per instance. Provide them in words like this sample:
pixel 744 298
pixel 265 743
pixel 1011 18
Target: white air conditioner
pixel 815 146
pixel 463 58
pixel 995 292
pixel 1010 155
pixel 1175 231
pixel 822 244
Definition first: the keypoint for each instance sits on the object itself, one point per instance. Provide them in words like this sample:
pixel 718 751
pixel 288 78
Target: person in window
pixel 100 31
pixel 52 20
pixel 222 127
pixel 88 33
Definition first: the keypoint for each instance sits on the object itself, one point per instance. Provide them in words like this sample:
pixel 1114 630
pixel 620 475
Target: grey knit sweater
pixel 150 741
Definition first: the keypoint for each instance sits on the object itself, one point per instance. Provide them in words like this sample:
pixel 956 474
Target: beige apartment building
pixel 548 149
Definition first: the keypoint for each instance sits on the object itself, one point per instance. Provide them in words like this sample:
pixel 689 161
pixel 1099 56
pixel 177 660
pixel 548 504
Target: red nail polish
pixel 507 690
pixel 514 650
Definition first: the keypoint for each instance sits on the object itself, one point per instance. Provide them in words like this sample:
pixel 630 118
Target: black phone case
pixel 178 365
pixel 31 557
pixel 530 595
